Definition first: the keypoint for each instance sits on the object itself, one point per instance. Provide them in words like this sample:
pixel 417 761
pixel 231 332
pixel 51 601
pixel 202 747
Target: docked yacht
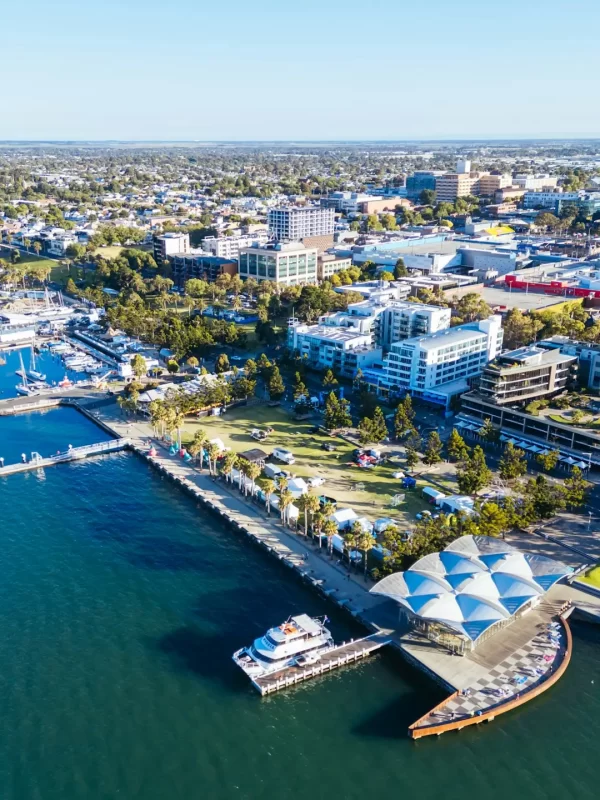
pixel 299 641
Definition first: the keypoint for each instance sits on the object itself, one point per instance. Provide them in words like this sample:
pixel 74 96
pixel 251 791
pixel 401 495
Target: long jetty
pixel 340 656
pixel 73 454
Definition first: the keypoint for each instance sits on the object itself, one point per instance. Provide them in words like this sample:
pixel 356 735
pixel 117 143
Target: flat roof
pixel 526 301
pixel 437 340
pixel 332 333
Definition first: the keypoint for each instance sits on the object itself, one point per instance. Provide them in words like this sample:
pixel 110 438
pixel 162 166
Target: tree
pixel 433 449
pixel 412 457
pixel 520 329
pixel 221 364
pixel 457 447
pixel 276 386
pixel 547 221
pixel 329 379
pixel 427 197
pixel 172 366
pixel 253 471
pixel 548 460
pixel 268 486
pixel 337 413
pixel 400 270
pixel 300 389
pixel 545 498
pixel 576 489
pixel 473 474
pixel 213 453
pixel 193 362
pixel 228 464
pixel 364 543
pixel 513 463
pixel 380 430
pixel 488 431
pixel 330 529
pixel 492 520
pixel 285 501
pixel 403 418
pixel 70 287
pixel 472 307
pixel 139 366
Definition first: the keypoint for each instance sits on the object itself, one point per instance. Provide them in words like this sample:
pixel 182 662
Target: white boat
pixel 299 641
pixel 23 388
pixel 33 372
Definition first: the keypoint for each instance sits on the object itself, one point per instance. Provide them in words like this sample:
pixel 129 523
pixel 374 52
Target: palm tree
pixel 253 471
pixel 351 538
pixel 228 465
pixel 213 452
pixel 301 505
pixel 365 543
pixel 37 246
pixel 242 464
pixel 330 529
pixel 282 483
pixel 198 444
pixel 268 486
pixel 318 520
pixel 285 500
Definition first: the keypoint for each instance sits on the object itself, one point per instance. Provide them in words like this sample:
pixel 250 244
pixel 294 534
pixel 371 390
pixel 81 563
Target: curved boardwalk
pixel 481 704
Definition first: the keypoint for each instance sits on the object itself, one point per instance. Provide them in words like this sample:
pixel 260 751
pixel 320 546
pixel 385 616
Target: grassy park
pixel 59 273
pixel 592 577
pixel 367 491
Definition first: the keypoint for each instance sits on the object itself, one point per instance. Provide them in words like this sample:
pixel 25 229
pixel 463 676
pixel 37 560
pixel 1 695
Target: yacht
pixel 299 641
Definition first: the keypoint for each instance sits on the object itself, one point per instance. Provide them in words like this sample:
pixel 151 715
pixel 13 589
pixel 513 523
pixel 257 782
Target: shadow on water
pixel 419 696
pixel 204 655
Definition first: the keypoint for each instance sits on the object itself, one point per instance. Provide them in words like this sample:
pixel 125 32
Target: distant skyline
pixel 315 71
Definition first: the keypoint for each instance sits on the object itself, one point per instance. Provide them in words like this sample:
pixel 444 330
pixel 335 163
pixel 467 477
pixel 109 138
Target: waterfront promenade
pixel 475 676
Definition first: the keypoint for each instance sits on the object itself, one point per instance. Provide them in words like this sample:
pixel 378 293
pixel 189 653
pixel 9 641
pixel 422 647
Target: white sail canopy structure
pixel 476 582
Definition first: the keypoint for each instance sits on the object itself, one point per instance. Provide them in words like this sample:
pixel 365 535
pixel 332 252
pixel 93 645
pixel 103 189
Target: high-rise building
pixel 524 374
pixel 230 246
pixel 296 223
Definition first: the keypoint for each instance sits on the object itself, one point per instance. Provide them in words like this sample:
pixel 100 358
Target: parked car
pixel 316 481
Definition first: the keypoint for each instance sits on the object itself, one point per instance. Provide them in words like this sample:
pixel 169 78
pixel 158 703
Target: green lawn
pixel 592 577
pixel 58 272
pixel 367 491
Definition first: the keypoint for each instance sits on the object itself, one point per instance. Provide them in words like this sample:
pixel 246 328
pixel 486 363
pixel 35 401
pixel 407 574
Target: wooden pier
pixel 73 454
pixel 346 653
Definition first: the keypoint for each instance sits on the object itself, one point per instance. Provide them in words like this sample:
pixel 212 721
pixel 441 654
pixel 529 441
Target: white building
pixel 16 329
pixel 535 183
pixel 229 246
pixel 170 244
pixel 549 199
pixel 344 350
pixel 438 366
pixel 300 222
pixel 285 263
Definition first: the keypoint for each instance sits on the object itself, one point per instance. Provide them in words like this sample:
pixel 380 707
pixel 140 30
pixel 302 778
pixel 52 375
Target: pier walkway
pixel 340 656
pixel 72 454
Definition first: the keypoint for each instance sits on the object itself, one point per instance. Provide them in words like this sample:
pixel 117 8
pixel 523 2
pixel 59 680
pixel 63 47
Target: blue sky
pixel 313 69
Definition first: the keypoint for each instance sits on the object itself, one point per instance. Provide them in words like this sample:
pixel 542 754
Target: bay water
pixel 121 602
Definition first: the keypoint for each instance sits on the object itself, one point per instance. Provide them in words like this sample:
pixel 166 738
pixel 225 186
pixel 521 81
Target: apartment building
pixel 295 223
pixel 550 200
pixel 200 265
pixel 587 354
pixel 526 374
pixel 285 263
pixel 229 246
pixel 344 350
pixel 437 367
pixel 168 244
pixel 535 183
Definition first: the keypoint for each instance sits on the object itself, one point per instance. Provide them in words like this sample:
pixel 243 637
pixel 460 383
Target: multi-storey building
pixel 294 223
pixel 489 184
pixel 550 200
pixel 419 181
pixel 200 265
pixel 287 264
pixel 328 264
pixel 342 349
pixel 535 183
pixel 168 244
pixel 456 184
pixel 229 246
pixel 525 374
pixel 438 367
pixel 588 355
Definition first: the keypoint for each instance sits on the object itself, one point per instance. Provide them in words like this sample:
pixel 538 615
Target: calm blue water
pixel 47 364
pixel 120 605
